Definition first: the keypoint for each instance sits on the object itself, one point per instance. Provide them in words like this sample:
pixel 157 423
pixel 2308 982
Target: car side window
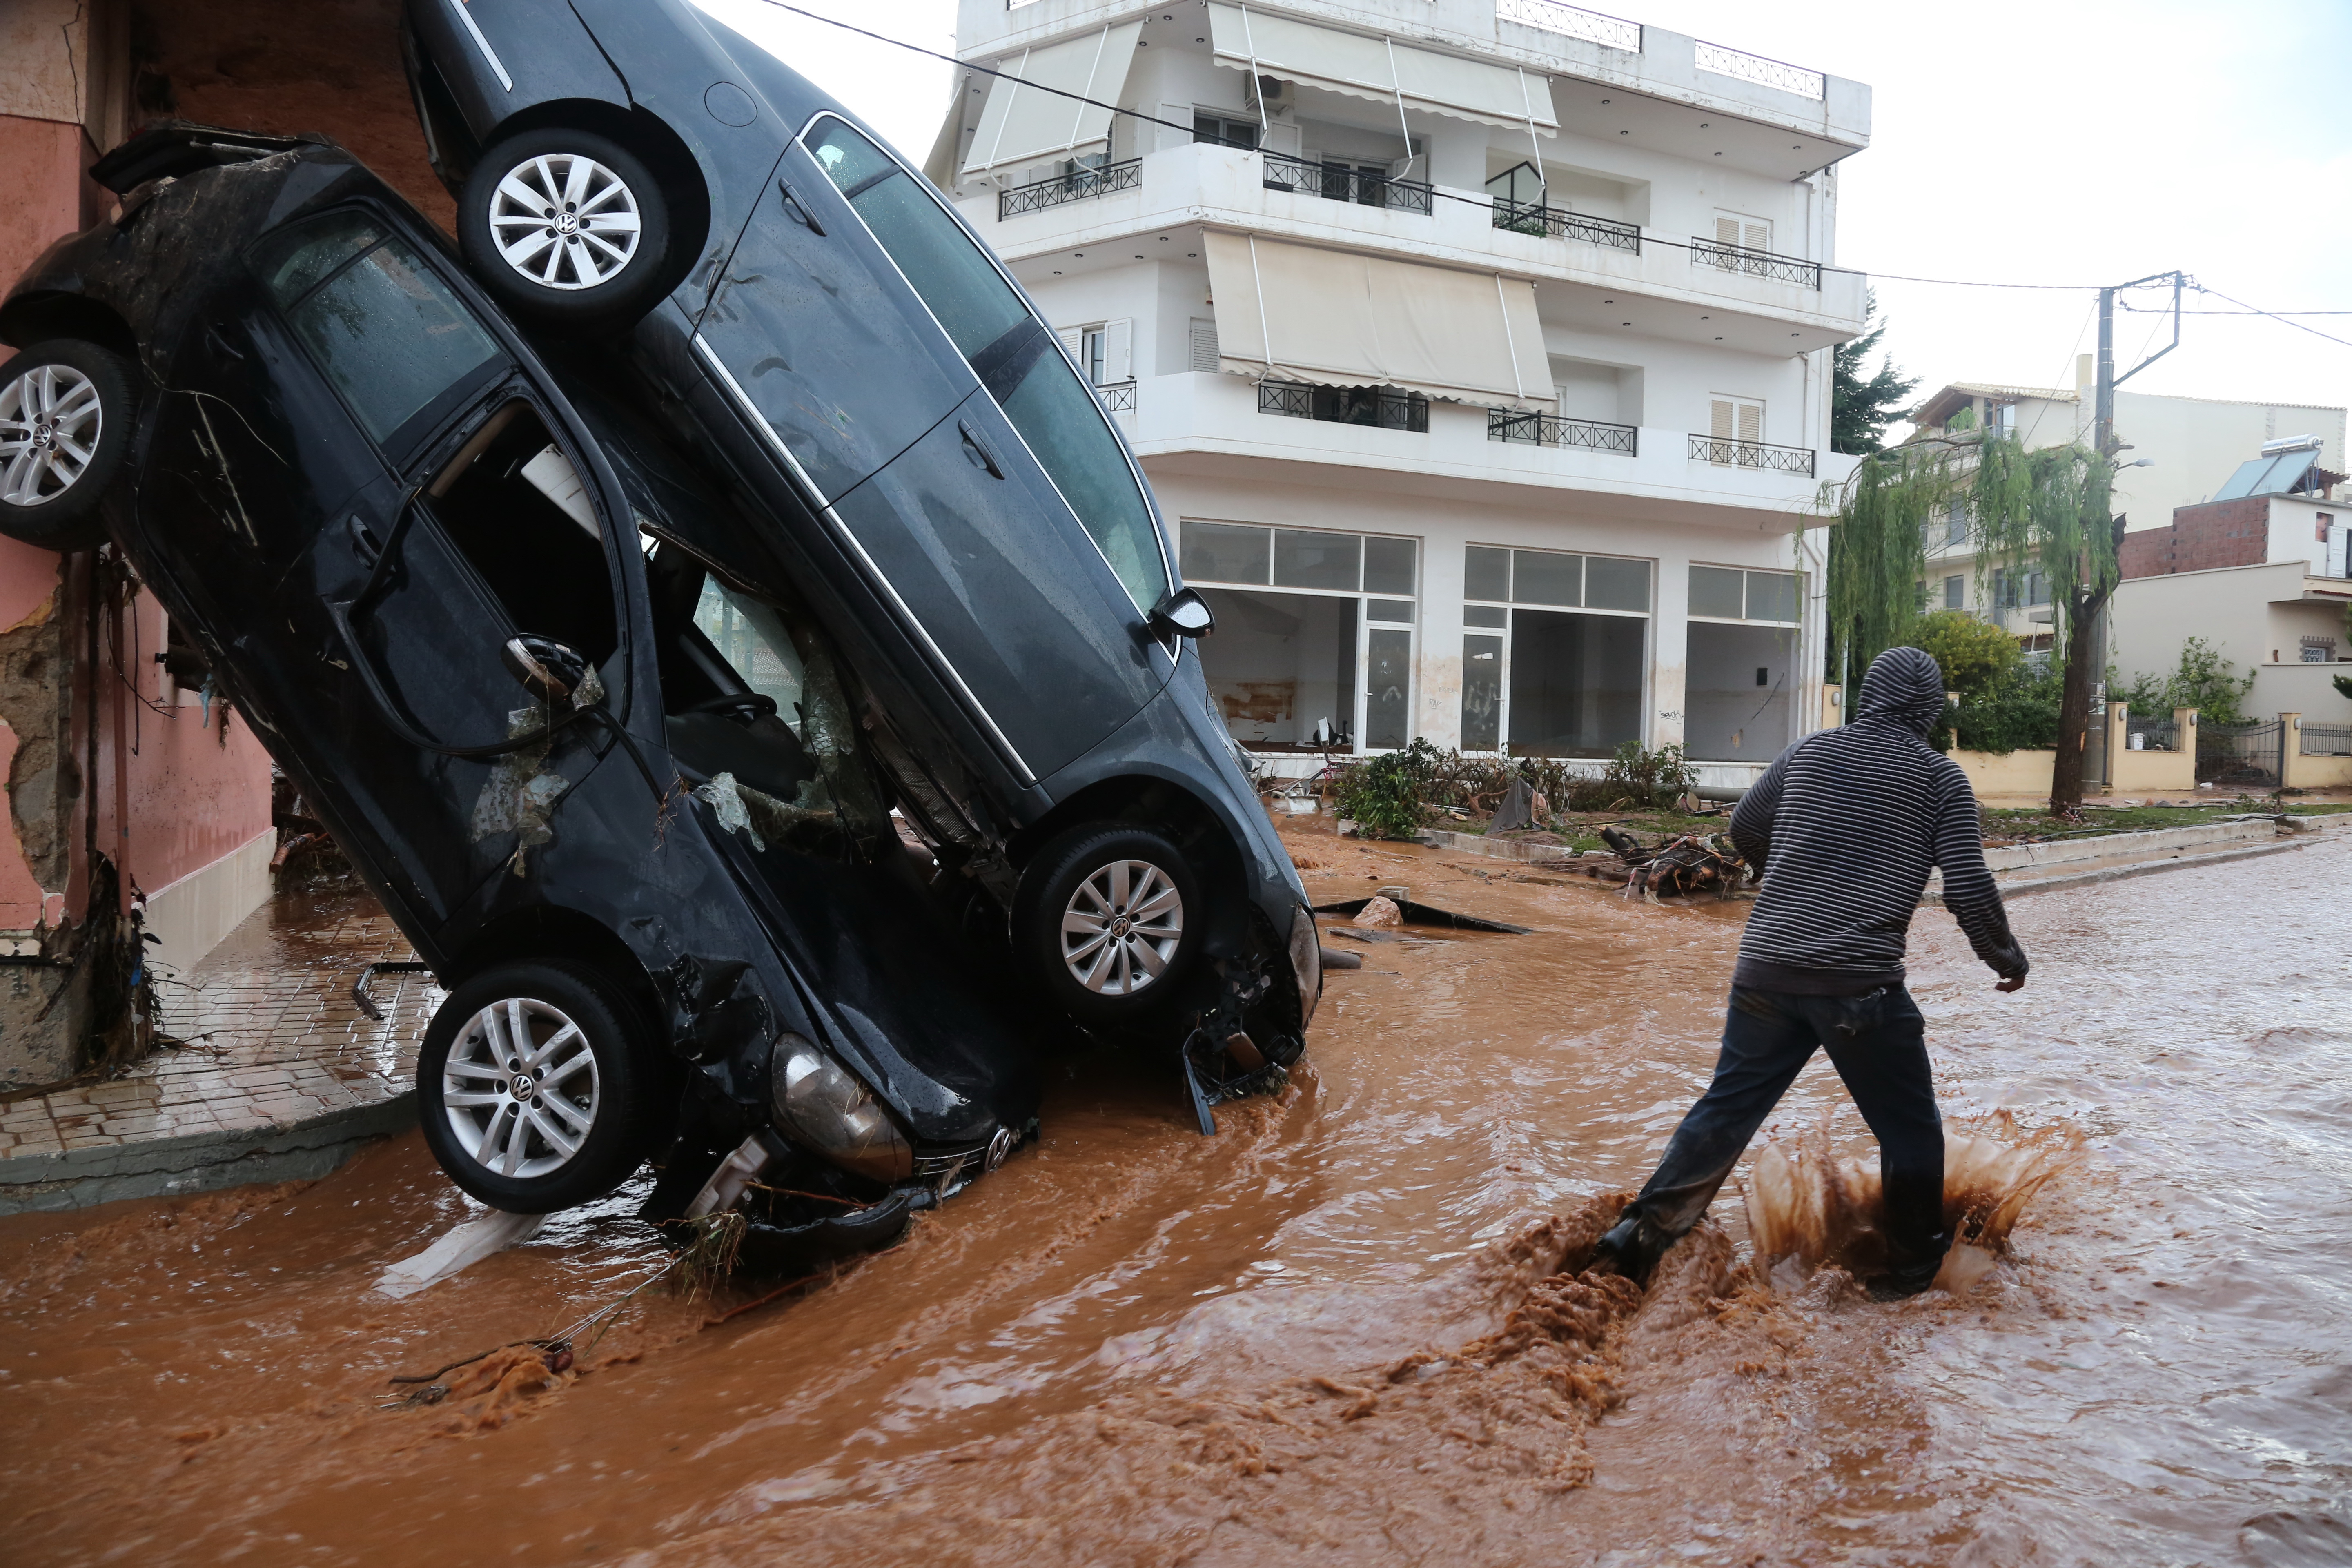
pixel 389 334
pixel 1010 350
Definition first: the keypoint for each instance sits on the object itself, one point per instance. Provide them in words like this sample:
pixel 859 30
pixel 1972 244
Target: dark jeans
pixel 1878 1044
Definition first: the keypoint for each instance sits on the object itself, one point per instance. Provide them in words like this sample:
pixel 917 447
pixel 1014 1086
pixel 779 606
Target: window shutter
pixel 1119 352
pixel 1719 421
pixel 1757 235
pixel 1205 345
pixel 1074 344
pixel 1751 422
pixel 1727 230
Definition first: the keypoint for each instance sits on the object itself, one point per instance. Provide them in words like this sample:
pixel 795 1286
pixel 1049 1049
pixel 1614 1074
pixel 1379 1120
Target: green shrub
pixel 2203 679
pixel 1648 778
pixel 1976 656
pixel 2017 714
pixel 1384 794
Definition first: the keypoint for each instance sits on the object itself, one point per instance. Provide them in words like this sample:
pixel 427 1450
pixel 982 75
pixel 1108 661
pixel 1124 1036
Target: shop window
pixel 1739 684
pixel 1561 672
pixel 1314 650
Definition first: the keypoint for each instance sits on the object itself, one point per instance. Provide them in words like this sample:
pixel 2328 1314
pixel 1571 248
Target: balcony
pixel 1523 217
pixel 1705 252
pixel 1340 183
pixel 1117 398
pixel 1381 407
pixel 1721 453
pixel 1079 184
pixel 1554 430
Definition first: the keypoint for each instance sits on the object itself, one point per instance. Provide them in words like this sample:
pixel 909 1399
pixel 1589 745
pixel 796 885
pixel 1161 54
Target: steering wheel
pixel 758 704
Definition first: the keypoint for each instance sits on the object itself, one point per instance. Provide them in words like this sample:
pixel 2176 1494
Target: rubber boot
pixel 1915 1275
pixel 1630 1248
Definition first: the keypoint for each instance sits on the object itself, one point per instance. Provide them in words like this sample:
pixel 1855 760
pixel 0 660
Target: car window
pixel 751 637
pixel 964 291
pixel 1052 408
pixel 388 333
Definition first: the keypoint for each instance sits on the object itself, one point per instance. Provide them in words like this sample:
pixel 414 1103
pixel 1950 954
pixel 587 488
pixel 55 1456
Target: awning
pixel 1022 123
pixel 1380 69
pixel 1344 319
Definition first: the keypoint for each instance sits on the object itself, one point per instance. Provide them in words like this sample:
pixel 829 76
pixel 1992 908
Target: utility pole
pixel 2103 435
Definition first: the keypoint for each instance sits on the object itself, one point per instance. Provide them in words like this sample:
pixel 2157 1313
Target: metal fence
pixel 1705 252
pixel 1341 183
pixel 1535 219
pixel 2249 756
pixel 1554 430
pixel 2150 733
pixel 1385 407
pixel 1077 185
pixel 1118 397
pixel 1751 454
pixel 2326 740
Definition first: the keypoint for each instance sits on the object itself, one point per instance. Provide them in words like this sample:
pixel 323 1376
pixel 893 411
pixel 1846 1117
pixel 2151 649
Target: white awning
pixel 1022 123
pixel 1344 319
pixel 1380 69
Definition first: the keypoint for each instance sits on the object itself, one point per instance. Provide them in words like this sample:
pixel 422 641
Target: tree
pixel 1860 408
pixel 2043 510
pixel 2203 679
pixel 1974 654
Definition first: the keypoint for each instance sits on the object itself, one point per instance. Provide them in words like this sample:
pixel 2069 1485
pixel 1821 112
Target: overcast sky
pixel 2075 144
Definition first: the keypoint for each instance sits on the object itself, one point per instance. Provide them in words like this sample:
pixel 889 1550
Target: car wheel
pixel 566 226
pixel 529 1089
pixel 1109 917
pixel 65 411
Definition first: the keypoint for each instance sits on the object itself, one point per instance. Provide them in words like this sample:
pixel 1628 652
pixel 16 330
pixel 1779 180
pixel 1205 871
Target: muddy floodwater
pixel 1339 1330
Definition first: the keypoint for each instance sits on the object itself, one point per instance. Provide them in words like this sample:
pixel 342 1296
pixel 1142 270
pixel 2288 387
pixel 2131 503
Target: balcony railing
pixel 1383 408
pixel 1705 252
pixel 1555 430
pixel 1528 217
pixel 1338 182
pixel 1729 454
pixel 1077 185
pixel 1763 71
pixel 1572 22
pixel 1118 397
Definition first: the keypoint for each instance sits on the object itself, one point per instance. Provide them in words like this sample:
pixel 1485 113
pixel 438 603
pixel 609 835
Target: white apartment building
pixel 1479 350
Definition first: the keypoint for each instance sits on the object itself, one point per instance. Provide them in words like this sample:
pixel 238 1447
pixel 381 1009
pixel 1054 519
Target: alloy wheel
pixel 564 221
pixel 520 1088
pixel 1122 925
pixel 51 419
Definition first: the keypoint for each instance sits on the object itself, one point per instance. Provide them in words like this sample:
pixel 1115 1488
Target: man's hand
pixel 2015 983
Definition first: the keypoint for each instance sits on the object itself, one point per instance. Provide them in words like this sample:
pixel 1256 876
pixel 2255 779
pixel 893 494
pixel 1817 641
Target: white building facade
pixel 1478 352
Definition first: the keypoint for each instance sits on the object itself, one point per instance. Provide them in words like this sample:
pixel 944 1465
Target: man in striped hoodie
pixel 1845 825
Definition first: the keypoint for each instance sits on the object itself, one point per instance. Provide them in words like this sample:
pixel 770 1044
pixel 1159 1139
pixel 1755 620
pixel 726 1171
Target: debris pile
pixel 1680 865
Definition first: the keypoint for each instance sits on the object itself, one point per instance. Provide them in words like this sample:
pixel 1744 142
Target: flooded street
pixel 1327 1330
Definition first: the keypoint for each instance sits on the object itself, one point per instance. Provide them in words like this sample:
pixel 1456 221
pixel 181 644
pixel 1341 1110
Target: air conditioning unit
pixel 1277 97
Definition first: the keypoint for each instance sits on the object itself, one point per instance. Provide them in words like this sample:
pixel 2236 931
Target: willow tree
pixel 2043 510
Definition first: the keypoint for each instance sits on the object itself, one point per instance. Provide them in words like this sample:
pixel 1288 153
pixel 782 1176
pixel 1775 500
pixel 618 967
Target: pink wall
pixel 199 783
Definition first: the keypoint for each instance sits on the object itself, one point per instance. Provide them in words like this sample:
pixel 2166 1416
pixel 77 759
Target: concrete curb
pixel 198 1162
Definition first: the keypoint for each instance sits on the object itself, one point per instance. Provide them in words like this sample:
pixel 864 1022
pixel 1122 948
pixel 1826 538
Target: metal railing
pixel 2154 733
pixel 1384 407
pixel 1529 217
pixel 1077 185
pixel 1118 397
pixel 1558 430
pixel 2326 740
pixel 1338 182
pixel 1751 454
pixel 1705 252
pixel 1572 22
pixel 1763 71
pixel 2250 756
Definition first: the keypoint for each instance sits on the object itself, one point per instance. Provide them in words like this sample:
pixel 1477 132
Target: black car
pixel 621 797
pixel 917 457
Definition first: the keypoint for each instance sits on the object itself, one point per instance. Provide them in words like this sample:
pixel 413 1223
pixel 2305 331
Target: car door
pixel 1016 533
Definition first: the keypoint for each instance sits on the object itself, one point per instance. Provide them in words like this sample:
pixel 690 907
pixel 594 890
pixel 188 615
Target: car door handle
pixel 793 206
pixel 366 549
pixel 977 451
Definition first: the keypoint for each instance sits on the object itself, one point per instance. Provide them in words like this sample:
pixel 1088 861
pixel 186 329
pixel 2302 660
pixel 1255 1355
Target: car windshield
pixel 389 334
pixel 1054 411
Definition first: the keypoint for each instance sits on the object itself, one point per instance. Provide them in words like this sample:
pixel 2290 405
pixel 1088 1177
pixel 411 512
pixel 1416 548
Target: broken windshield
pixel 751 637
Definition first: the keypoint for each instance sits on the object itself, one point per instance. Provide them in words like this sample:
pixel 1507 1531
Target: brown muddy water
pixel 1336 1330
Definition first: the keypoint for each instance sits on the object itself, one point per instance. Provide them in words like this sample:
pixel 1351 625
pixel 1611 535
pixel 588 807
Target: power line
pixel 2274 316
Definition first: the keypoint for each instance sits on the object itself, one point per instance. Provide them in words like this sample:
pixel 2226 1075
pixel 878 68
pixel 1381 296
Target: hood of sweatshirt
pixel 1906 686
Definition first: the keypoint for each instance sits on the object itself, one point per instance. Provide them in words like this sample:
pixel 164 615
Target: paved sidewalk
pixel 281 1075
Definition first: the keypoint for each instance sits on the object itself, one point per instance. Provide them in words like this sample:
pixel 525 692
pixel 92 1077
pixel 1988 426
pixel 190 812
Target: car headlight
pixel 820 1104
pixel 1307 963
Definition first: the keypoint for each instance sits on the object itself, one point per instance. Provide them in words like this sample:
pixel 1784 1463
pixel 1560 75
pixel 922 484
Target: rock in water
pixel 1380 912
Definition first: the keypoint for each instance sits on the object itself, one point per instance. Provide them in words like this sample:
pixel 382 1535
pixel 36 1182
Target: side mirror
pixel 1183 613
pixel 547 670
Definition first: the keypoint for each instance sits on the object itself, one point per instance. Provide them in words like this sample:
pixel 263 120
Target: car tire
pixel 534 1130
pixel 565 266
pixel 66 409
pixel 1075 924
